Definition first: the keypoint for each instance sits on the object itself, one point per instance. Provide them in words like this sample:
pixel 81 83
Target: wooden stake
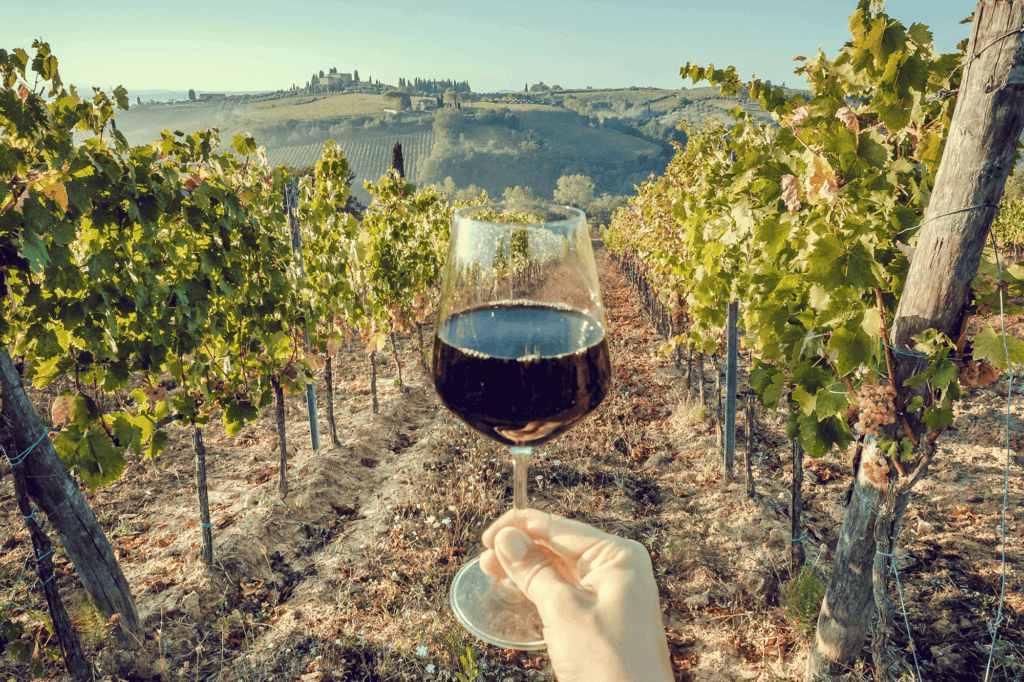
pixel 749 454
pixel 204 501
pixel 329 384
pixel 282 438
pixel 74 659
pixel 796 545
pixel 373 381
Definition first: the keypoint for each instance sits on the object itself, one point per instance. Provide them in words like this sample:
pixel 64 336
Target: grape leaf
pixel 988 345
pixel 791 192
pixel 853 349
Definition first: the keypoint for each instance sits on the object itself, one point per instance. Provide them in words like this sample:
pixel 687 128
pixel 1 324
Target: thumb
pixel 529 568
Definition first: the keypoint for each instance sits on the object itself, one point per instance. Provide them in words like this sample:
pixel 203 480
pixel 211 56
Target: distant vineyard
pixel 565 131
pixel 368 156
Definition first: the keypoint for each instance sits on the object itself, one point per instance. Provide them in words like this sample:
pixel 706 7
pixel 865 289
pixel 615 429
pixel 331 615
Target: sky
pixel 253 45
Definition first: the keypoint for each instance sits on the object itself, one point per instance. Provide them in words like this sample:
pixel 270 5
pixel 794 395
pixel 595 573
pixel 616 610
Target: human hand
pixel 595 593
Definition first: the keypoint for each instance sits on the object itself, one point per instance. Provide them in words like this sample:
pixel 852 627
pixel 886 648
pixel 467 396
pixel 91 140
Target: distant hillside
pixel 615 137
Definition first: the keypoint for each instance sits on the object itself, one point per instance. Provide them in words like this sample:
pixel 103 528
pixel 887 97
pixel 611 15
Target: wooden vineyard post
pixel 731 366
pixel 51 488
pixel 689 372
pixel 204 500
pixel 422 348
pixel 291 194
pixel 719 413
pixel 398 363
pixel 329 383
pixel 282 437
pixel 74 659
pixel 700 378
pixel 373 381
pixel 796 545
pixel 986 124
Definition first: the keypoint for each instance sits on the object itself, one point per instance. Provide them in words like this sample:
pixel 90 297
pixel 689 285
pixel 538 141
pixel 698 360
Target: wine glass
pixel 520 355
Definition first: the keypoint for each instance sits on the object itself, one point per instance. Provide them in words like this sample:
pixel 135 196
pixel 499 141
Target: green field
pixel 368 156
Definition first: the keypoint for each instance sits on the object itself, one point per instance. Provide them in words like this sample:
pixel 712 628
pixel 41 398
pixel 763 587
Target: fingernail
pixel 513 546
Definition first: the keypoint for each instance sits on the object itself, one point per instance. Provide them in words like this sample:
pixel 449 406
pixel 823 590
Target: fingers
pixel 528 568
pixel 491 565
pixel 568 538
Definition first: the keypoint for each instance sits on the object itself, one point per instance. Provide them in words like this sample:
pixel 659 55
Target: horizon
pixel 573 44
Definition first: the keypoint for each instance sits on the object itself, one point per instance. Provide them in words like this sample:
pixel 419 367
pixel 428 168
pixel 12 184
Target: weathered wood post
pixel 51 488
pixel 978 157
pixel 731 370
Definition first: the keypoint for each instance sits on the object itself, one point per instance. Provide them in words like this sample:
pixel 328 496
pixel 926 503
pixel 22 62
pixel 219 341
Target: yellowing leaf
pixel 22 92
pixel 822 184
pixel 791 192
pixel 61 410
pixel 57 192
pixel 849 119
pixel 798 116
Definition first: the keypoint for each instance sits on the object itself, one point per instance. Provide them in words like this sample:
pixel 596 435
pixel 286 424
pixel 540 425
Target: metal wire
pixel 903 606
pixel 994 624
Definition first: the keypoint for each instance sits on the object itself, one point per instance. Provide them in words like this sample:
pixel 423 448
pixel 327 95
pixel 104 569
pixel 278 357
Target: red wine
pixel 521 372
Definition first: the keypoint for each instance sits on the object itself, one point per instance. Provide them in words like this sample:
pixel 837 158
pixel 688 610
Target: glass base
pixel 496 611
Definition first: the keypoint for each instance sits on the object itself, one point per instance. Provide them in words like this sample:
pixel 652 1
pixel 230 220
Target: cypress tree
pixel 397 162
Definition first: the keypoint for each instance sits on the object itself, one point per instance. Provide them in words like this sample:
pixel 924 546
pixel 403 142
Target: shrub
pixel 804 595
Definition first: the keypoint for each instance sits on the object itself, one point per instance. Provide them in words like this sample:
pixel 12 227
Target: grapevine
pixel 800 223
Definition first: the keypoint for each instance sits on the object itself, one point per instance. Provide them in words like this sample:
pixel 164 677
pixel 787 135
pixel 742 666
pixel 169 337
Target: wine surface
pixel 521 373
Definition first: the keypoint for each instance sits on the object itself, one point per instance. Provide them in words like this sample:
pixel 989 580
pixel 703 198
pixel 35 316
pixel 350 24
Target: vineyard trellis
pixel 128 265
pixel 807 228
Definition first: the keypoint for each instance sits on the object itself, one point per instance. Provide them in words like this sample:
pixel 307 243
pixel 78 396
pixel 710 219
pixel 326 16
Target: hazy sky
pixel 220 45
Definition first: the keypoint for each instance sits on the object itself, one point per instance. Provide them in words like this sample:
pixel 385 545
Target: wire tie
pixel 207 525
pixel 943 215
pixel 44 555
pixel 912 354
pixel 31 516
pixel 799 539
pixel 21 458
pixel 884 554
pixel 863 501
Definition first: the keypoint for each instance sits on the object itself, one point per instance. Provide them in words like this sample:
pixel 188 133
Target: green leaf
pixel 157 445
pixel 184 404
pixel 34 248
pixel 832 400
pixel 939 415
pixel 127 433
pixel 853 349
pixel 873 152
pixel 768 381
pixel 243 144
pixel 988 345
pixel 237 414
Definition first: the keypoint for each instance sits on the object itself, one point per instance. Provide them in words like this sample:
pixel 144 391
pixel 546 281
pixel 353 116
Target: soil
pixel 347 577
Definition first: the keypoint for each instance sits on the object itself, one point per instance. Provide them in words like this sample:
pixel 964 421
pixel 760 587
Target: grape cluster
pixel 877 408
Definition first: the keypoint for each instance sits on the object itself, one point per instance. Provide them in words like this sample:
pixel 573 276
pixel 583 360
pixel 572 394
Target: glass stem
pixel 520 463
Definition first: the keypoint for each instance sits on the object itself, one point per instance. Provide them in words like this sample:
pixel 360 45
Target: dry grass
pixel 325 106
